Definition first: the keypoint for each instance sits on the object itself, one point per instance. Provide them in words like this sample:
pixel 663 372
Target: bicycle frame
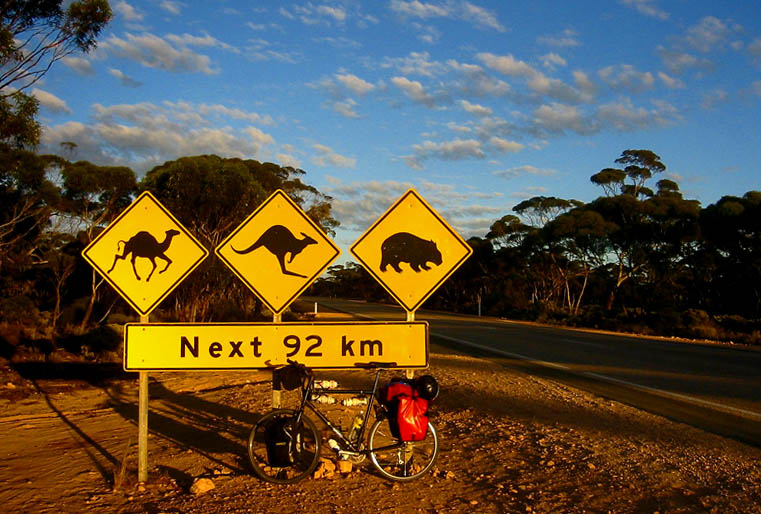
pixel 306 401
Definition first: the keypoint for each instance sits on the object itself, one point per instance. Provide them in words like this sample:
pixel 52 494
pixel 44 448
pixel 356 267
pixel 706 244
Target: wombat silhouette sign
pixel 411 250
pixel 405 247
pixel 145 232
pixel 277 251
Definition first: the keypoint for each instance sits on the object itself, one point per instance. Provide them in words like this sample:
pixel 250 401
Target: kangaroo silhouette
pixel 280 242
pixel 143 244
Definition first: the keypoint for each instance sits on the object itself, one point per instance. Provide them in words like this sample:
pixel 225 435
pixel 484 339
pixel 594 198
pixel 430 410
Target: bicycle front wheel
pixel 398 460
pixel 282 451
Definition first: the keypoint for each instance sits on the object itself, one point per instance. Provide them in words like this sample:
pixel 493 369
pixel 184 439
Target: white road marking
pixel 500 352
pixel 605 378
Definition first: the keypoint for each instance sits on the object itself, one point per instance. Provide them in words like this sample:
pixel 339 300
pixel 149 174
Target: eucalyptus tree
pixel 92 196
pixel 731 230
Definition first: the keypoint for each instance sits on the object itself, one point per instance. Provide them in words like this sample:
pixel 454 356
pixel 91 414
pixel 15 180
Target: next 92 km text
pixel 170 346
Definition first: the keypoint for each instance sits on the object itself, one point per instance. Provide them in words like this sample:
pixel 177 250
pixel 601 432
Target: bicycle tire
pixel 407 460
pixel 305 458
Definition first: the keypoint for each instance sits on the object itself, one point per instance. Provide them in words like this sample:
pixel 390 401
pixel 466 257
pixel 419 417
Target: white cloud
pixel 327 157
pixel 127 11
pixel 419 9
pixel 708 34
pixel 713 98
pixel 566 39
pixel 124 79
pixel 285 159
pixel 310 14
pixel 459 10
pixel 525 170
pixel 80 65
pixel 647 7
pixel 358 205
pixel 171 6
pixel 478 110
pixel 481 16
pixel 145 134
pixel 261 50
pixel 670 82
pixel 507 65
pixel 354 84
pixel 679 62
pixel 259 137
pixel 556 117
pixel 414 90
pixel 754 49
pixel 346 108
pixel 206 41
pixel 155 52
pixel 552 60
pixel 455 150
pixel 417 63
pixel 50 101
pixel 505 146
pixel 626 77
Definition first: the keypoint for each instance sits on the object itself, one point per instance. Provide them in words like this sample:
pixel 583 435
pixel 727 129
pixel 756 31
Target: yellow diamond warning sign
pixel 411 250
pixel 144 253
pixel 277 251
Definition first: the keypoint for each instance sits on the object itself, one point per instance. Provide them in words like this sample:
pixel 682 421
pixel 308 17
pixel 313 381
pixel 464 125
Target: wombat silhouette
pixel 280 242
pixel 143 244
pixel 406 247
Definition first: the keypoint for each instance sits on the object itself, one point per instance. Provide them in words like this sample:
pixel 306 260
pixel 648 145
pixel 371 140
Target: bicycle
pixel 284 446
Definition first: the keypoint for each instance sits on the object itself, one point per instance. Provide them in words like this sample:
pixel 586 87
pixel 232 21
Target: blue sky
pixel 477 104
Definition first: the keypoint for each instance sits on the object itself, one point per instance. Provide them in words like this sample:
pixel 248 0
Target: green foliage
pixel 35 34
pixel 18 126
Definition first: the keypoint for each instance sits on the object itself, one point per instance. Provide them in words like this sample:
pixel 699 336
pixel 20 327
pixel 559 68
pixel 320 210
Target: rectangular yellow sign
pixel 218 346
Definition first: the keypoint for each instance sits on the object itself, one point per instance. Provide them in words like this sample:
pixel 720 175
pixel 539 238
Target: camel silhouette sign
pixel 160 250
pixel 411 250
pixel 278 251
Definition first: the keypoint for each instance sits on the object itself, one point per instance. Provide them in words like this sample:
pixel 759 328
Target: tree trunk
pixel 91 303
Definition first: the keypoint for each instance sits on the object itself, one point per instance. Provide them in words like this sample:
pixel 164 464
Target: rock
pixel 328 464
pixel 344 466
pixel 325 469
pixel 201 486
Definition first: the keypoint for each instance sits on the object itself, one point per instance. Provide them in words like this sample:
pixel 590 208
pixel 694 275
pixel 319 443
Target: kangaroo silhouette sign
pixel 277 251
pixel 281 242
pixel 145 232
pixel 410 250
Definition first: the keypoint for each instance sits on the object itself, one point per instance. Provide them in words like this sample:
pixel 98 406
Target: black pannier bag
pixel 281 447
pixel 290 377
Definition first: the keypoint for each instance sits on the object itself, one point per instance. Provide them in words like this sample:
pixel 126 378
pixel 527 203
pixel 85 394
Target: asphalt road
pixel 711 386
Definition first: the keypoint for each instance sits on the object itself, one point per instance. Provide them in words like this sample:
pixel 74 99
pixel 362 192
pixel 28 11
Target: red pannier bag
pixel 407 411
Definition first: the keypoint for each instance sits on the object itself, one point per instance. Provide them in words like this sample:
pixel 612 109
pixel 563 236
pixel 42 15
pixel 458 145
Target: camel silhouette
pixel 145 245
pixel 280 242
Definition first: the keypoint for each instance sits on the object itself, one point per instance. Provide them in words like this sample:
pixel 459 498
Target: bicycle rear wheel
pixel 401 461
pixel 281 451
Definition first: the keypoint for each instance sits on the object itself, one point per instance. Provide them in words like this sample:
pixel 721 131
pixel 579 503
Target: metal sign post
pixel 126 254
pixel 142 422
pixel 276 389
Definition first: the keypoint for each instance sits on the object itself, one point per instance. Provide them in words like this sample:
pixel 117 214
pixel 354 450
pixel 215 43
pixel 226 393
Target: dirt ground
pixel 510 442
